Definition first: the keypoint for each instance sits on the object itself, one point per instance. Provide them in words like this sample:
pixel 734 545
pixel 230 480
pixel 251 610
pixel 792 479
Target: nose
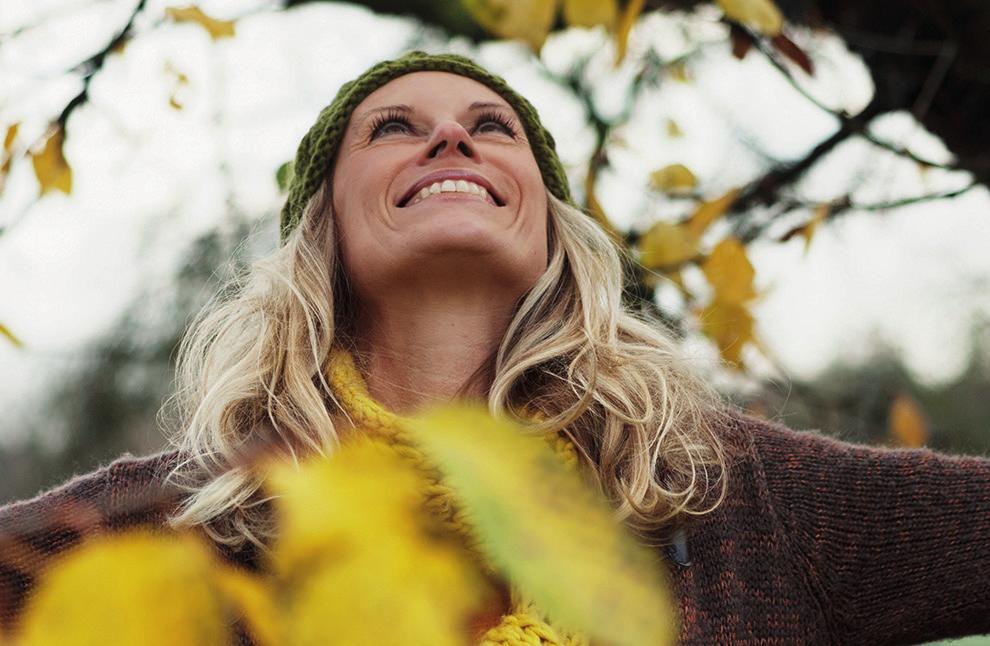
pixel 450 138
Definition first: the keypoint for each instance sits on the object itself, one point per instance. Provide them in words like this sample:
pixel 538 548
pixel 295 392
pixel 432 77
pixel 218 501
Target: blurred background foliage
pixel 927 59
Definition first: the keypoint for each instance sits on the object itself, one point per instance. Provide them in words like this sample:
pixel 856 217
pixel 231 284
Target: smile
pixel 462 187
pixel 455 183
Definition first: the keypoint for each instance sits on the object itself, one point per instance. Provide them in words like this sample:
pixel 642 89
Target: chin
pixel 465 232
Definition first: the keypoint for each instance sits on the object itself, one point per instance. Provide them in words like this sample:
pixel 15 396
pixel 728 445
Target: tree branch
pixel 94 63
pixel 843 116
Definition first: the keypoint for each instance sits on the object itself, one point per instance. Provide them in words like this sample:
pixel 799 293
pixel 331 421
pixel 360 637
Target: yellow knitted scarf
pixel 524 624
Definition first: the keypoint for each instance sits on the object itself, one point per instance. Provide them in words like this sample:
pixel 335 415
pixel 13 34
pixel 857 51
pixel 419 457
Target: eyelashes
pixel 382 123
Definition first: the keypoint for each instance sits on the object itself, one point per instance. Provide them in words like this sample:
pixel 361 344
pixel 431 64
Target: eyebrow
pixel 406 109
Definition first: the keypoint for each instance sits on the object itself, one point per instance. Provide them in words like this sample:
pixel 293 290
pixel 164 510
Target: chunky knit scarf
pixel 524 624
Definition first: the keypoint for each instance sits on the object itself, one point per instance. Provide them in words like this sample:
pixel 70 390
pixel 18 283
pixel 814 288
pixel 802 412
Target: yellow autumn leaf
pixel 7 334
pixel 254 602
pixel 8 152
pixel 590 13
pixel 400 592
pixel 181 80
pixel 8 139
pixel 906 422
pixel 759 15
pixel 216 28
pixel 730 273
pixel 709 211
pixel 808 231
pixel 667 245
pixel 132 588
pixel 364 488
pixel 673 179
pixel 730 326
pixel 538 521
pixel 528 20
pixel 678 71
pixel 356 545
pixel 626 21
pixel 50 167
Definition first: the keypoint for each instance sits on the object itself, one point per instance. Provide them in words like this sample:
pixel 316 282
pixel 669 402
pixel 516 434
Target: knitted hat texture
pixel 318 149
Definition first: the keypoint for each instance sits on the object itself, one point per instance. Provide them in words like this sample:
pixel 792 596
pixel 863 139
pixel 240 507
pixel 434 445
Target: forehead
pixel 426 90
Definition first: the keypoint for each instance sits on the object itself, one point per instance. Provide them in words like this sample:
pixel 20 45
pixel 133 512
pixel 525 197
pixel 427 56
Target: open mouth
pixel 449 186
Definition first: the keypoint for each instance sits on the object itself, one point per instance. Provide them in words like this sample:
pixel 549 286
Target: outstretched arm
pixel 896 542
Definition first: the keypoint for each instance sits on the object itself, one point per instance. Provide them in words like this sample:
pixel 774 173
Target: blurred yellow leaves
pixel 136 588
pixel 808 231
pixel 216 28
pixel 539 522
pixel 8 152
pixel 527 20
pixel 673 179
pixel 181 81
pixel 626 21
pixel 727 319
pixel 759 15
pixel 730 273
pixel 906 422
pixel 359 559
pixel 730 326
pixel 590 13
pixel 7 334
pixel 356 546
pixel 531 20
pixel 49 163
pixel 665 246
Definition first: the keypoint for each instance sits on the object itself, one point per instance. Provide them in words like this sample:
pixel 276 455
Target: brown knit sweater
pixel 818 541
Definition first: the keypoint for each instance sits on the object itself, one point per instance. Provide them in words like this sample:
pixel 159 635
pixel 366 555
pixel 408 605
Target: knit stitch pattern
pixel 316 154
pixel 524 624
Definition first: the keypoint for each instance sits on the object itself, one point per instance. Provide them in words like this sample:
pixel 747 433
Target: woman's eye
pixel 492 125
pixel 390 126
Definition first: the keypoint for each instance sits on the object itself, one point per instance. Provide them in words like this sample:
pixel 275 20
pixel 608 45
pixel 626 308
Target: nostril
pixel 436 149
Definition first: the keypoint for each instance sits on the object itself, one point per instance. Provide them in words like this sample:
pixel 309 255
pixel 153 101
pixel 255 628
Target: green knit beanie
pixel 318 148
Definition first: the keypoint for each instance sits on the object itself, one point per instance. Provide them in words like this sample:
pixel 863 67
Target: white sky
pixel 148 179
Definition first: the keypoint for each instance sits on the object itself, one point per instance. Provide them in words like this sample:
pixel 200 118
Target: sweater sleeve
pixel 896 542
pixel 33 532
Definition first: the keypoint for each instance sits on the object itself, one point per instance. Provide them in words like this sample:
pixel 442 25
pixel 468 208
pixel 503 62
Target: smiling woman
pixel 404 250
pixel 431 251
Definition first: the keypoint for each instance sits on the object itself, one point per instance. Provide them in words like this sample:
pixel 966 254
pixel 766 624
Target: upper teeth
pixel 451 186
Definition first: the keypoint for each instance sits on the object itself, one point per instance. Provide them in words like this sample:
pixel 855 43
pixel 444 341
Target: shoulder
pixel 128 490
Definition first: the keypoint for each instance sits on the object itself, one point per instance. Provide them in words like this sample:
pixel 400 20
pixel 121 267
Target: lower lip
pixel 450 195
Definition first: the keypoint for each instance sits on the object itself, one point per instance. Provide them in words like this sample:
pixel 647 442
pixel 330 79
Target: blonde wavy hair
pixel 251 373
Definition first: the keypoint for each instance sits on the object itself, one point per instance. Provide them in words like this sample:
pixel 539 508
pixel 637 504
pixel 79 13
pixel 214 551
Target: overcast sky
pixel 148 179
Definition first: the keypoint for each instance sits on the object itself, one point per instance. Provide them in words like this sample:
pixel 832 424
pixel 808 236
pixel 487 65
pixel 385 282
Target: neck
pixel 429 349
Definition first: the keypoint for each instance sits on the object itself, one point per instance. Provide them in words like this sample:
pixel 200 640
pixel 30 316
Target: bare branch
pixel 95 62
pixel 941 68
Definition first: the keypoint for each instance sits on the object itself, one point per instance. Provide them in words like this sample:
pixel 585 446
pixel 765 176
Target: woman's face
pixel 435 183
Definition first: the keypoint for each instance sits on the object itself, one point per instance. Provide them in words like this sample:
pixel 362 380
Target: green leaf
pixel 549 532
pixel 284 176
